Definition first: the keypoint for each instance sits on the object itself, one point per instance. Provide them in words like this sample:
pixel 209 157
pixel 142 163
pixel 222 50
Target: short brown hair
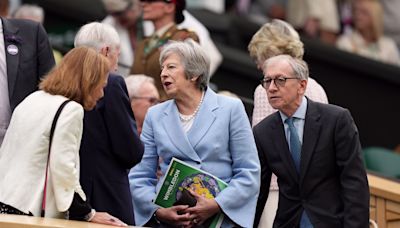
pixel 80 72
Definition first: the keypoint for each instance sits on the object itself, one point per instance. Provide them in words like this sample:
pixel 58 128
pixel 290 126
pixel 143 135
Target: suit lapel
pixel 12 61
pixel 172 125
pixel 312 128
pixel 204 119
pixel 282 147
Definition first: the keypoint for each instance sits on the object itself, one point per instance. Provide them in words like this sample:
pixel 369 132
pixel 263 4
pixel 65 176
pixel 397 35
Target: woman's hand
pixel 204 209
pixel 105 218
pixel 171 216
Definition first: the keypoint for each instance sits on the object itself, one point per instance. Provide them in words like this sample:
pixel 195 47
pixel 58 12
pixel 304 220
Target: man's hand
pixel 105 218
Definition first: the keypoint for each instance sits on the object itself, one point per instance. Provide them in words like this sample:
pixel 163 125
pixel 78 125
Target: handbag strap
pixel 53 127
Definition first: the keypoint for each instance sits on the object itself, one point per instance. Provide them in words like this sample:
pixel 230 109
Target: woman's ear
pixel 194 78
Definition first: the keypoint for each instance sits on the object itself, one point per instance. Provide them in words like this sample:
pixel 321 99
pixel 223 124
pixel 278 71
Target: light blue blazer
pixel 220 142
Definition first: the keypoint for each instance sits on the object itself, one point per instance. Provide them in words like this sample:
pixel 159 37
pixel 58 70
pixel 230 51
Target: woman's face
pixel 173 76
pixel 362 15
pixel 154 10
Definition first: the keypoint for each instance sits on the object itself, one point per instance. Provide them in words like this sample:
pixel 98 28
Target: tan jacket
pixel 148 64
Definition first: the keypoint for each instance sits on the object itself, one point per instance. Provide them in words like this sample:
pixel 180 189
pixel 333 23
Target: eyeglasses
pixel 151 100
pixel 279 81
pixel 151 1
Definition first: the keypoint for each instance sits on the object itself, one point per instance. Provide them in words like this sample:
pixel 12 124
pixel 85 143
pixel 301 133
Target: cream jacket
pixel 23 155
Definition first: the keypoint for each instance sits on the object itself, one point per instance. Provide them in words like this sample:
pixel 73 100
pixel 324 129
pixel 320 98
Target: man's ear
pixel 303 86
pixel 105 51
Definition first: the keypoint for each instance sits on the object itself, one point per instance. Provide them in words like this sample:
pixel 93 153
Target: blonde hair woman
pixel 80 77
pixel 367 38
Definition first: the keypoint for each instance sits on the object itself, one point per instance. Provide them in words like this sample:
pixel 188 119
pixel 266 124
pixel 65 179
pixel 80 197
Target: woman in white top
pixel 80 77
pixel 367 38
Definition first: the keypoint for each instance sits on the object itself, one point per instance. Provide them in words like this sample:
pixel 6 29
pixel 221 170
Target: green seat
pixel 382 161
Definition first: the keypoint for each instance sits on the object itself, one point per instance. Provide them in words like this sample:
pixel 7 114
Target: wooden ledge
pixel 20 221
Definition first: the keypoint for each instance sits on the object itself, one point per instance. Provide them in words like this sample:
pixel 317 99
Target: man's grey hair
pixel 32 12
pixel 194 59
pixel 135 82
pixel 97 35
pixel 299 66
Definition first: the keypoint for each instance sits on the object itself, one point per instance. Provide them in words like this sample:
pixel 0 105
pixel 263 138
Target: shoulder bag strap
pixel 53 126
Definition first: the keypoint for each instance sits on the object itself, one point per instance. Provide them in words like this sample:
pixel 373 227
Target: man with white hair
pixel 313 149
pixel 110 144
pixel 143 94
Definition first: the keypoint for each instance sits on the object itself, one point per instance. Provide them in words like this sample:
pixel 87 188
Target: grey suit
pixel 33 60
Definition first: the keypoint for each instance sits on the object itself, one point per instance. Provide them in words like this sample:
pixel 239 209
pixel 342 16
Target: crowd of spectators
pixel 136 91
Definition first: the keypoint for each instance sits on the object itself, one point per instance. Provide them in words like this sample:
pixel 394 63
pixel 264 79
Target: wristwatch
pixel 155 217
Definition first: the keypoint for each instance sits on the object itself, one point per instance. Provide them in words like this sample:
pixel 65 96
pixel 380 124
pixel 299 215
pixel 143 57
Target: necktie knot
pixel 289 121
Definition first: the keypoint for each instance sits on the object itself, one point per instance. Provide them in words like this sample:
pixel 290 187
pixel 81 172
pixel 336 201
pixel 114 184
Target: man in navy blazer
pixel 315 152
pixel 26 58
pixel 110 144
pixel 29 61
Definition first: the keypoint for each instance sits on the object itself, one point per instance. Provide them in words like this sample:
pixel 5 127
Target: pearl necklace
pixel 187 118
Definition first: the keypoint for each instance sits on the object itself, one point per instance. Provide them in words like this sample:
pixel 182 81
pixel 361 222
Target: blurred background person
pixel 316 19
pixel 206 130
pixel 165 15
pixel 143 94
pixel 367 39
pixel 391 16
pixel 110 144
pixel 80 77
pixel 26 58
pixel 262 11
pixel 34 13
pixel 272 39
pixel 125 17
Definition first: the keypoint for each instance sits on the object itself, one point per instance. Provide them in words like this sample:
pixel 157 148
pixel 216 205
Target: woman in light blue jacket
pixel 206 130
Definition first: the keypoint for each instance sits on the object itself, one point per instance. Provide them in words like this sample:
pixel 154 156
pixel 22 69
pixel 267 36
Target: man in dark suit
pixel 314 150
pixel 26 56
pixel 110 144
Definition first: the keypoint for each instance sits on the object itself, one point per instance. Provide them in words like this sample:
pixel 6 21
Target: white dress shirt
pixel 5 109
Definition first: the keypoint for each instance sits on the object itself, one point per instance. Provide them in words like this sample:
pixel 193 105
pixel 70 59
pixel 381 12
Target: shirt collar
pixel 163 29
pixel 300 112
